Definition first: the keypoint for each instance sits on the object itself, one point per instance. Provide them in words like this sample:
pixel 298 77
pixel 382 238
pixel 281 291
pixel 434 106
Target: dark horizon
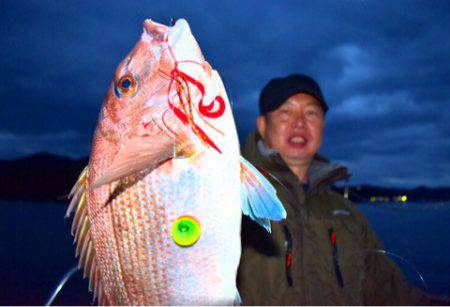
pixel 56 175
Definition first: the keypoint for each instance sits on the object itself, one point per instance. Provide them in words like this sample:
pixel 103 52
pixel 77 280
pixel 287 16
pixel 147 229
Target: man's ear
pixel 261 125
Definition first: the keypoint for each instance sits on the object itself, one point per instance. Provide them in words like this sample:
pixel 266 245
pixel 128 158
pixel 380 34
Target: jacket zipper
pixel 301 215
pixel 337 269
pixel 300 261
pixel 289 255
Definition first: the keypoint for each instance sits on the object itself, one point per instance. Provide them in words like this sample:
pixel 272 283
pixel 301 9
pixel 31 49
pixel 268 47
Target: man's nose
pixel 299 120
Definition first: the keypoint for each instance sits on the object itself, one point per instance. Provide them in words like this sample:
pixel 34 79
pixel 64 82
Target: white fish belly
pixel 207 190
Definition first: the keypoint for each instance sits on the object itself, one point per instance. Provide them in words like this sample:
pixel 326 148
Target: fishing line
pixel 420 276
pixel 394 255
pixel 60 285
pixel 411 269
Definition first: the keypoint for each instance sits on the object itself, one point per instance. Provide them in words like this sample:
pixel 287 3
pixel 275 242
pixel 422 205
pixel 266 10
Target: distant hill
pixel 41 176
pixel 47 176
pixel 364 193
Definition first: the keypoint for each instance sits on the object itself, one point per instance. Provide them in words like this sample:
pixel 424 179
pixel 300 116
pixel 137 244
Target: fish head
pixel 130 124
pixel 135 93
pixel 165 101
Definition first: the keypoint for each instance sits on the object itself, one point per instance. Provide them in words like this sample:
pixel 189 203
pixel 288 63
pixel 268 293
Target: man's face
pixel 295 129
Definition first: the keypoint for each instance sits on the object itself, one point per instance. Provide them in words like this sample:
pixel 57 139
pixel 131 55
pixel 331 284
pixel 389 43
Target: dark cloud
pixel 383 67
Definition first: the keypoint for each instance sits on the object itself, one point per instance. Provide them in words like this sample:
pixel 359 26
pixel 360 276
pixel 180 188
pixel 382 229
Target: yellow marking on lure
pixel 186 231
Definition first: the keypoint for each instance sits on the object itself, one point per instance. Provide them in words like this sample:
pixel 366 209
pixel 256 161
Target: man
pixel 324 253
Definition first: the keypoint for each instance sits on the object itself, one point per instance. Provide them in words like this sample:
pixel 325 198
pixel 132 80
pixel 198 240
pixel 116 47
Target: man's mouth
pixel 297 140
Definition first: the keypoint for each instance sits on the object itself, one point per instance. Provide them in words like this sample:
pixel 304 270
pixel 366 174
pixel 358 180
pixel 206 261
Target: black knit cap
pixel 278 90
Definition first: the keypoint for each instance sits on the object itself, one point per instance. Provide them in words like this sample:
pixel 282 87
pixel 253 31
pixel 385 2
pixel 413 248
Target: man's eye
pixel 312 113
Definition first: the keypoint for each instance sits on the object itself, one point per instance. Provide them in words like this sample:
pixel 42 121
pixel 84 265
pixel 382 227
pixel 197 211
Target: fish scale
pixel 144 242
pixel 126 239
pixel 128 206
pixel 156 224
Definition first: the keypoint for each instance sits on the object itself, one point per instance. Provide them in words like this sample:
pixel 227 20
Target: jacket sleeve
pixel 384 283
pixel 258 269
pixel 250 276
pixel 247 288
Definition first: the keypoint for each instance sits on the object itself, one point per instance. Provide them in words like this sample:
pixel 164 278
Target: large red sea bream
pixel 158 208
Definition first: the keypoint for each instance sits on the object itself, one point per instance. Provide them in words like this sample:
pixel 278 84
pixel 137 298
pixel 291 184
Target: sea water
pixel 418 234
pixel 36 248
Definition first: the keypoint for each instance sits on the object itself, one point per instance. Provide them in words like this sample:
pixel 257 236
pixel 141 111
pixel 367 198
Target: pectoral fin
pixel 238 300
pixel 143 153
pixel 258 196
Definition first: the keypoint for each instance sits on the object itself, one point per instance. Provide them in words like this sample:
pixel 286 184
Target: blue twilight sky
pixel 384 68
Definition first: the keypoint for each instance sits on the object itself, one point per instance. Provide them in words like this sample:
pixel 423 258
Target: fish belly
pixel 141 264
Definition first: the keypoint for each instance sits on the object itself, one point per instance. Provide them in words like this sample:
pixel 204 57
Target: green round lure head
pixel 186 231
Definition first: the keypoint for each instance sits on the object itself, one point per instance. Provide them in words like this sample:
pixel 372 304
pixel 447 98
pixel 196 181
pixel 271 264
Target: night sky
pixel 384 68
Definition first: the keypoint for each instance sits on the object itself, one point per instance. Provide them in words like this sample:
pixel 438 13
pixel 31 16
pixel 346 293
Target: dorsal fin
pixel 81 230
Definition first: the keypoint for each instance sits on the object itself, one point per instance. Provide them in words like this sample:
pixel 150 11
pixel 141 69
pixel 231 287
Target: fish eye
pixel 126 86
pixel 126 83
